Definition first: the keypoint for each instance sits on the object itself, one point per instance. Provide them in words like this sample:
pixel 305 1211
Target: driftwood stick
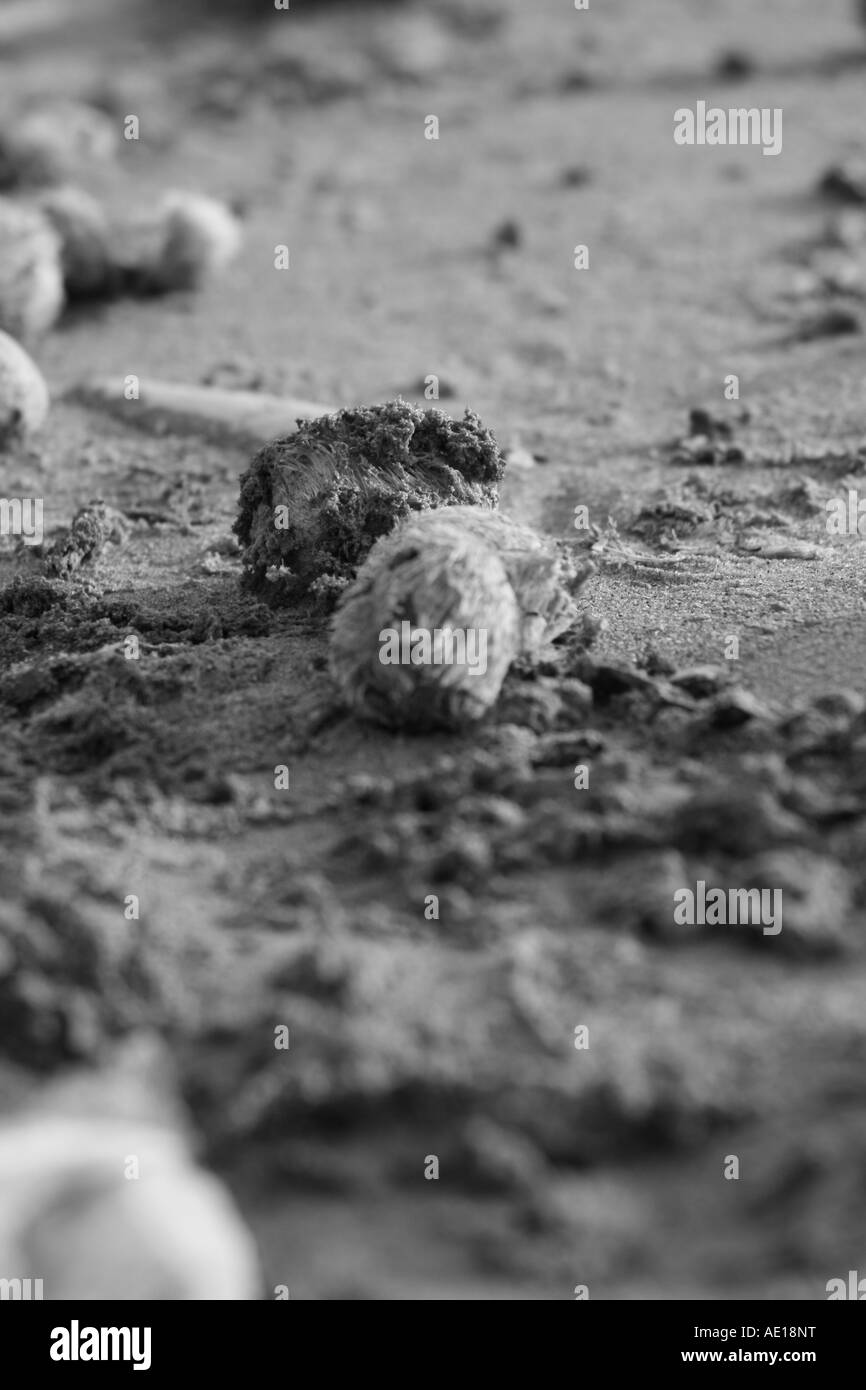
pixel 165 406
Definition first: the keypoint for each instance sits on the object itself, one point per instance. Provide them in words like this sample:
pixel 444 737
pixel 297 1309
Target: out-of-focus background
pixel 450 1039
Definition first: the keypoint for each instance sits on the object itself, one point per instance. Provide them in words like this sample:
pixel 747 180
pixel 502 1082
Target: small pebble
pixel 700 681
pixel 518 457
pixel 701 422
pixel 846 183
pixel 200 237
pixel 833 322
pixel 23 393
pixel 736 706
pixel 734 66
pixel 508 236
pixel 53 141
pixel 83 229
pixel 31 275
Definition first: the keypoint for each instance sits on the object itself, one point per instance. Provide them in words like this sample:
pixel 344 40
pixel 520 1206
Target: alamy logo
pixel 22 1289
pixel 846 517
pixel 22 516
pixel 737 906
pixel 76 1343
pixel 738 126
pixel 438 646
pixel 854 1289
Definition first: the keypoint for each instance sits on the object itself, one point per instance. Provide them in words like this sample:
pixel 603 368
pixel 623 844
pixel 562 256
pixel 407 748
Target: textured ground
pixel 455 1037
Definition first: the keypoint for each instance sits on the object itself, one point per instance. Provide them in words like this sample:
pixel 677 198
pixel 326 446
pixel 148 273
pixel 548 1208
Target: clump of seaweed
pixel 92 528
pixel 313 504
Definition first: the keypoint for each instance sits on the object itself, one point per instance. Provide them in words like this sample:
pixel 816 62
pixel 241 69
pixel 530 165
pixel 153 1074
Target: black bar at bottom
pixel 161 1339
